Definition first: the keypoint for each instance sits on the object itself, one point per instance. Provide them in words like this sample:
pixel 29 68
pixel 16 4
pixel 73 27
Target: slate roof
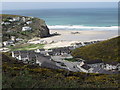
pixel 93 61
pixel 42 49
pixel 112 63
pixel 61 50
pixel 16 52
pixel 23 55
pixel 85 66
pixel 45 62
pixel 101 70
pixel 49 65
pixel 50 53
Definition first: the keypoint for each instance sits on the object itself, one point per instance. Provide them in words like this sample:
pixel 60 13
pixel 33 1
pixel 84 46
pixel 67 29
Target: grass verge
pixel 26 47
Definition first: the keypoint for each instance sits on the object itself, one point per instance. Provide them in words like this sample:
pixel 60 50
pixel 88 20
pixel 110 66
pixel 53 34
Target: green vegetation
pixel 71 59
pixel 38 28
pixel 26 47
pixel 19 75
pixel 106 51
pixel 7 15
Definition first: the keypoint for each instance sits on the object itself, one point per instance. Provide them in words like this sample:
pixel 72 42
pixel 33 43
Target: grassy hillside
pixel 106 51
pixel 19 75
pixel 26 47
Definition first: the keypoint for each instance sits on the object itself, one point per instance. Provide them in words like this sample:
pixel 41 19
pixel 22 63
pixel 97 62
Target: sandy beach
pixel 83 35
pixel 67 37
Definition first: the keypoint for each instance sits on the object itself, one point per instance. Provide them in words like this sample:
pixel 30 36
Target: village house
pixel 53 52
pixel 29 18
pixel 26 28
pixel 94 67
pixel 9 42
pixel 95 41
pixel 25 56
pixel 13 38
pixel 35 58
pixel 44 61
pixel 77 45
pixel 87 43
pixel 5 23
pixel 71 47
pixel 19 39
pixel 111 66
pixel 23 19
pixel 100 70
pixel 84 68
pixel 39 50
pixel 14 19
pixel 28 22
pixel 95 63
pixel 61 51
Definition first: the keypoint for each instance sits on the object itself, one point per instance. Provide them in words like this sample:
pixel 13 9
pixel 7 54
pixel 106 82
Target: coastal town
pixel 53 57
pixel 59 44
pixel 57 58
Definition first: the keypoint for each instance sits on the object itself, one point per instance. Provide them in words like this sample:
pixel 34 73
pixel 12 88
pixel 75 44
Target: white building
pixel 2 23
pixel 5 43
pixel 26 28
pixel 5 23
pixel 110 67
pixel 82 63
pixel 28 22
pixel 13 38
pixel 24 19
pixel 82 69
pixel 10 42
pixel 19 39
pixel 14 19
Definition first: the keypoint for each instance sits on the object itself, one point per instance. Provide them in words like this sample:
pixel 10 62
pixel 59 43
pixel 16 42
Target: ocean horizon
pixel 74 19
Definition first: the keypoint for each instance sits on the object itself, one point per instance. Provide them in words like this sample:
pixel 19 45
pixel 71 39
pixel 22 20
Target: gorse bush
pixel 106 51
pixel 19 75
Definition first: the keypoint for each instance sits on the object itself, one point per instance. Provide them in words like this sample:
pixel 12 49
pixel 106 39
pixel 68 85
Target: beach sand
pixel 67 37
pixel 83 35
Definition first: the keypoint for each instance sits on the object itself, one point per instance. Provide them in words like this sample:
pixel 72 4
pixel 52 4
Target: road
pixel 69 65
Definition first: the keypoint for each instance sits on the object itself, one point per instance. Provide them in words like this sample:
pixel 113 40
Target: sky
pixel 56 5
pixel 60 0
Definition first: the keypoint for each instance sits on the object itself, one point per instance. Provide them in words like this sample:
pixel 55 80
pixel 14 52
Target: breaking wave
pixel 80 27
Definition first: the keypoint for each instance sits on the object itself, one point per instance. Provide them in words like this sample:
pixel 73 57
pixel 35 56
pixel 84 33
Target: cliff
pixel 23 27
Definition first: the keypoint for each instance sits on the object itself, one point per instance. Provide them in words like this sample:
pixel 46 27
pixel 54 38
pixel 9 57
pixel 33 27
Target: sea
pixel 74 19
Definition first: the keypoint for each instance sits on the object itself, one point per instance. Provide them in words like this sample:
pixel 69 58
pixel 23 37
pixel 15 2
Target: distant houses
pixel 5 23
pixel 41 57
pixel 80 44
pixel 112 66
pixel 98 67
pixel 28 22
pixel 10 20
pixel 9 42
pixel 17 20
pixel 77 45
pixel 12 41
pixel 31 57
pixel 44 58
pixel 14 19
pixel 54 51
pixel 26 28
